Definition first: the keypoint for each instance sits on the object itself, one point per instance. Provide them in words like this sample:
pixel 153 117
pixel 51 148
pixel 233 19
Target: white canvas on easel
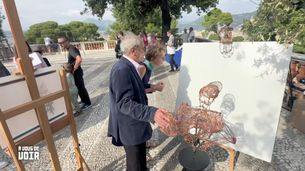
pixel 14 91
pixel 255 75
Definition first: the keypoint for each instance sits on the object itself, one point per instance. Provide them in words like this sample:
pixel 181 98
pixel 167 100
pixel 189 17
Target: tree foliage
pixel 82 31
pixel 214 36
pixel 238 39
pixel 124 22
pixel 2 35
pixel 134 15
pixel 152 28
pixel 280 20
pixel 215 18
pixel 75 30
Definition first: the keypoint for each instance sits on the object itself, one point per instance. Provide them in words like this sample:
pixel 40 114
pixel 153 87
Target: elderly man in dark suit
pixel 129 113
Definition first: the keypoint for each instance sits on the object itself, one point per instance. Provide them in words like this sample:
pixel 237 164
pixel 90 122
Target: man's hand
pixel 161 119
pixel 159 86
pixel 78 61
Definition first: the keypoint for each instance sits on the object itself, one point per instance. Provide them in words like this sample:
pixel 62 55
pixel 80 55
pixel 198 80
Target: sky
pixel 35 11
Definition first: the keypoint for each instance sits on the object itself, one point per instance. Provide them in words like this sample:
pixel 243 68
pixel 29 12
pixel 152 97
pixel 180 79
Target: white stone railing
pixel 82 46
pixel 96 45
pixel 6 53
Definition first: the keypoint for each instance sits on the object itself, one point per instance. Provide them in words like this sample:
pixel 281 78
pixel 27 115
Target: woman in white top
pixel 171 51
pixel 37 59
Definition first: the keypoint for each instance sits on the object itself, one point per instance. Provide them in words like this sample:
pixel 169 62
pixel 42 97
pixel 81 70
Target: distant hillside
pixel 101 24
pixel 238 19
pixel 196 24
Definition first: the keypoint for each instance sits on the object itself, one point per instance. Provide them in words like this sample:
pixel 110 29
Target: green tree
pixel 76 31
pixel 2 35
pixel 82 31
pixel 214 36
pixel 205 34
pixel 152 28
pixel 134 13
pixel 280 20
pixel 173 27
pixel 215 18
pixel 37 32
pixel 114 28
pixel 238 39
pixel 152 24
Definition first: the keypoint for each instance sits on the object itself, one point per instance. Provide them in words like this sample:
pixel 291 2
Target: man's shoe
pixel 85 106
pixel 171 70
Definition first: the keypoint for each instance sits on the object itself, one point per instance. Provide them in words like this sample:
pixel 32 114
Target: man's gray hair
pixel 130 41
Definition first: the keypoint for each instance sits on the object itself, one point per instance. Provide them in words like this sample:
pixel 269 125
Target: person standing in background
pixel 36 58
pixel 117 49
pixel 184 36
pixel 154 57
pixel 75 59
pixel 48 42
pixel 39 50
pixel 191 35
pixel 72 87
pixel 152 41
pixel 171 51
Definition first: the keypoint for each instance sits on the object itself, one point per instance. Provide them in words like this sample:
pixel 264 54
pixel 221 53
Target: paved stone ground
pixel 96 148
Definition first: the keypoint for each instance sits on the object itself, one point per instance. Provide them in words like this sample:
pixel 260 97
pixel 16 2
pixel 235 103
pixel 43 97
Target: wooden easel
pixel 37 103
pixel 7 114
pixel 232 153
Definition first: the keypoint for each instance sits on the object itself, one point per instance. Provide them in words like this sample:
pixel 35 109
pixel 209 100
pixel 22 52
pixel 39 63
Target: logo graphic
pixel 28 153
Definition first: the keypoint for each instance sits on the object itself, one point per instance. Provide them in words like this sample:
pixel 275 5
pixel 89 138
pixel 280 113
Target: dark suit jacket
pixel 129 114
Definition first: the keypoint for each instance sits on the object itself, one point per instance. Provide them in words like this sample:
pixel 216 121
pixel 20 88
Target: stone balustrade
pixel 95 45
pixel 82 46
pixel 6 53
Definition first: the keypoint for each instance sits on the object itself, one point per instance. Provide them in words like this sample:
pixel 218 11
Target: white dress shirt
pixel 134 63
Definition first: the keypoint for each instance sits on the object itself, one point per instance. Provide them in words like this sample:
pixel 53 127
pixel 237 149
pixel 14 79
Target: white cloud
pixel 232 6
pixel 237 6
pixel 62 11
pixel 65 11
pixel 71 12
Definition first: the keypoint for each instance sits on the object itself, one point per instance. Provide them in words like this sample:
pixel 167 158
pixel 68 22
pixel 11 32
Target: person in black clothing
pixel 3 71
pixel 75 59
pixel 117 49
